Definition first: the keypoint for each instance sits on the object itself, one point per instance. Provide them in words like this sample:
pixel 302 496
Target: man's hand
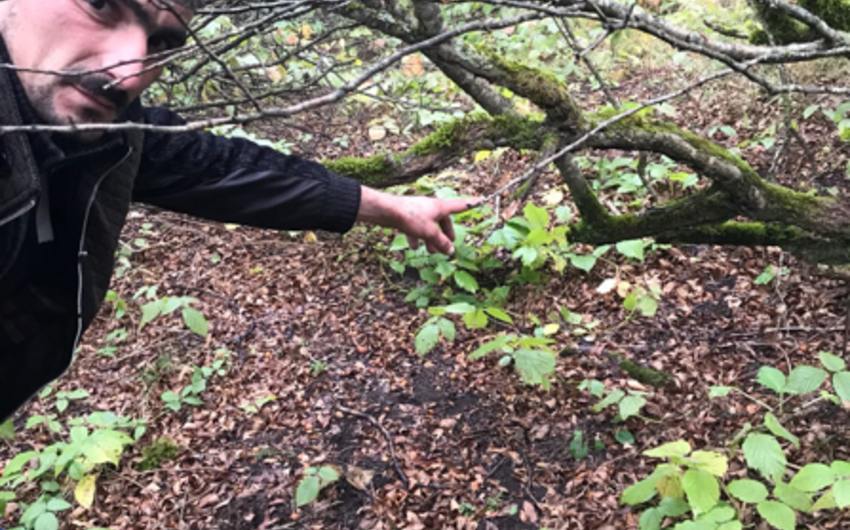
pixel 419 218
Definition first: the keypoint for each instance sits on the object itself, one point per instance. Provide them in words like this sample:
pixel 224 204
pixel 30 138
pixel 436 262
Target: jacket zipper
pixel 14 215
pixel 81 254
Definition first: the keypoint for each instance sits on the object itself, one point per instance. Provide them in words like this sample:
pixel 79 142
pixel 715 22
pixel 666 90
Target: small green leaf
pixel 747 490
pixel 447 328
pixel 465 281
pixel 644 490
pixel 460 308
pixel 841 490
pixel 840 468
pixel 778 515
pixel 624 437
pixel 490 346
pixel 777 429
pixel 793 497
pixel 583 262
pixel 841 382
pixel 498 314
pixel 831 362
pixel 399 243
pixel 651 519
pixel 630 406
pixel 719 391
pixel 632 249
pixel 538 217
pixel 614 397
pixel 535 366
pixel 150 311
pixel 7 430
pixel 308 491
pixel 719 514
pixel 813 477
pixel 427 338
pixel 804 379
pixel 678 448
pixel 674 506
pixel 711 461
pixel 702 489
pixel 47 521
pixel 765 455
pixel 771 378
pixel 195 321
pixel 329 474
pixel 476 320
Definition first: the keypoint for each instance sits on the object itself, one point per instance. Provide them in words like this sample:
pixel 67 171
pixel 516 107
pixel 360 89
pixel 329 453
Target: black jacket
pixel 229 180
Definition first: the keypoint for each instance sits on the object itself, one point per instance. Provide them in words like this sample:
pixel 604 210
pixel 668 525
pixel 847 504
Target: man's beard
pixel 43 100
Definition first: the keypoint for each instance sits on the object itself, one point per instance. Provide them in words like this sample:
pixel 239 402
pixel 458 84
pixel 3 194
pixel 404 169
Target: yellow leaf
pixel 306 31
pixel 310 237
pixel 623 288
pixel 550 329
pixel 482 155
pixel 84 493
pixel 670 486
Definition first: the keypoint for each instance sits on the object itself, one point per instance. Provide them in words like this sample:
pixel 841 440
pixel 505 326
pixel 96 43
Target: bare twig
pixel 401 475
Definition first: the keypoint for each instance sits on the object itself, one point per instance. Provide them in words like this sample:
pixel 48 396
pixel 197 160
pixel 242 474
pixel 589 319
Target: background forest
pixel 644 324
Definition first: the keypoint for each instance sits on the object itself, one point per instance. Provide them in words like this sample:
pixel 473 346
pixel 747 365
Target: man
pixel 64 197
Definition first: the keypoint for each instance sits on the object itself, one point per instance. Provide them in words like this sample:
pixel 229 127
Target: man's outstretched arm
pixel 237 181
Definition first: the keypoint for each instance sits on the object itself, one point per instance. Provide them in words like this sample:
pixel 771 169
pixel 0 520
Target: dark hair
pixel 191 4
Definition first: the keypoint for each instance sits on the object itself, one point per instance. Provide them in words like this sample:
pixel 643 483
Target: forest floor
pixel 321 324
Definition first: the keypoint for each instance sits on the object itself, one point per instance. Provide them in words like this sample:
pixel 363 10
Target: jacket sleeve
pixel 238 181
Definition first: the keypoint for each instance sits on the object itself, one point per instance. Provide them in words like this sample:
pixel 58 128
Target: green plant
pixel 579 449
pixel 162 306
pixel 159 451
pixel 628 402
pixel 770 272
pixel 532 357
pixel 317 368
pixel 314 480
pixel 253 407
pixel 190 394
pixel 93 442
pixel 693 482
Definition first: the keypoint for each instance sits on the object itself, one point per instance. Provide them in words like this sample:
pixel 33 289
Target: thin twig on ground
pixel 405 481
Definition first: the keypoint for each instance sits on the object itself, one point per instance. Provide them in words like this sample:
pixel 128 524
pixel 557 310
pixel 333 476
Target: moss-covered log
pixel 442 148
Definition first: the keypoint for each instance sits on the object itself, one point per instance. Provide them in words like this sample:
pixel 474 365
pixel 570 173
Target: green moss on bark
pixel 371 171
pixel 647 376
pixel 448 136
pixel 542 88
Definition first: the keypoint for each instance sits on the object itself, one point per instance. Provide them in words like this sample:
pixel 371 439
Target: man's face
pixel 76 36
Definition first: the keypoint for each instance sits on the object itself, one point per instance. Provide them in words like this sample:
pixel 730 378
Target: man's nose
pixel 124 61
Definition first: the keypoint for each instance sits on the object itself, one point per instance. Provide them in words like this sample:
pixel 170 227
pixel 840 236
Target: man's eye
pixel 99 5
